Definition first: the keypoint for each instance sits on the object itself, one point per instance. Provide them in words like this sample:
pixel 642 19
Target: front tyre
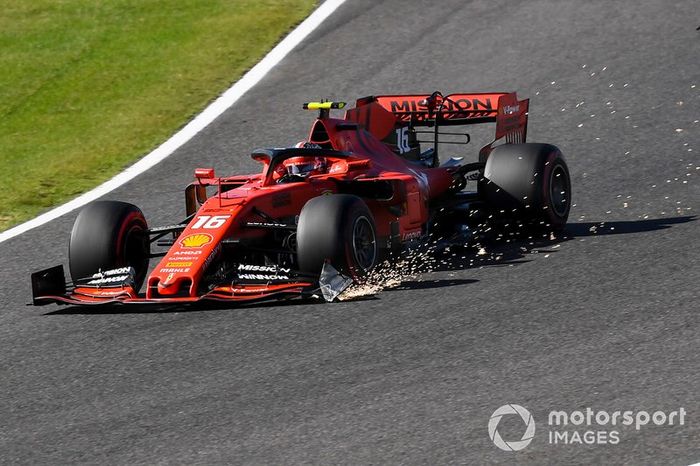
pixel 339 228
pixel 107 235
pixel 530 182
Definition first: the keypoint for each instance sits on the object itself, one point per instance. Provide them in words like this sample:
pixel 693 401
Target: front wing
pixel 50 286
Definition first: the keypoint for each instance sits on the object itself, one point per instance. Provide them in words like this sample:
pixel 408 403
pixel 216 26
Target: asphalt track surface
pixel 605 317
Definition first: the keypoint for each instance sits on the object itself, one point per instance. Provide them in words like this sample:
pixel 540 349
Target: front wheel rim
pixel 364 243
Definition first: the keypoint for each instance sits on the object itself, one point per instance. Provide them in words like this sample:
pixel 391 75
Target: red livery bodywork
pixel 245 209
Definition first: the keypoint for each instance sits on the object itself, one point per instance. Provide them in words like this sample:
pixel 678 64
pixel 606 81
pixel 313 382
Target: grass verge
pixel 87 87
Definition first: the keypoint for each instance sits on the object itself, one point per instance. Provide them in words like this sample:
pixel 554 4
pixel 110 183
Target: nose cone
pixel 173 285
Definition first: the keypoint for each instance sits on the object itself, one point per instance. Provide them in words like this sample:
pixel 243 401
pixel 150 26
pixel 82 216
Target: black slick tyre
pixel 108 235
pixel 529 182
pixel 339 228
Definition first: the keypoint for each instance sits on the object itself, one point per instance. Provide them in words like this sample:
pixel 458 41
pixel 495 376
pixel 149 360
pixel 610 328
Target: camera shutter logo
pixel 517 444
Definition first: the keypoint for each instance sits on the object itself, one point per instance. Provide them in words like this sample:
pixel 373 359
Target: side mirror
pixel 204 173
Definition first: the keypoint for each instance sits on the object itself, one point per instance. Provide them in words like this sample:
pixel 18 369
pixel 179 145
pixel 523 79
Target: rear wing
pixel 428 109
pixel 382 114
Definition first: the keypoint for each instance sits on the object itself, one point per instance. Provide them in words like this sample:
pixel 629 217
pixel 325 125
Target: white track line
pixel 201 121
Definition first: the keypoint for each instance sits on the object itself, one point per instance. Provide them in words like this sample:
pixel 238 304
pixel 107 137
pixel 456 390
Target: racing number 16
pixel 402 140
pixel 209 222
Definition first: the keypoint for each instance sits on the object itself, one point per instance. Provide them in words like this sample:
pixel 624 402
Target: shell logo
pixel 196 241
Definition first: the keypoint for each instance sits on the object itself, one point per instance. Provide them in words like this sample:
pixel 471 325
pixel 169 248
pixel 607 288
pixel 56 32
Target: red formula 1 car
pixel 323 213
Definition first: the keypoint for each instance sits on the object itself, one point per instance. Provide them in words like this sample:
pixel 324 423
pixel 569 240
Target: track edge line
pixel 197 124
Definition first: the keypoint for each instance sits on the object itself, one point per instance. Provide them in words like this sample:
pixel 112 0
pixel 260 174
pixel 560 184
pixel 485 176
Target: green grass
pixel 89 86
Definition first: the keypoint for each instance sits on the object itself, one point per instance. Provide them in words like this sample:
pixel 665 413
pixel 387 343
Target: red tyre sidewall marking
pixel 120 256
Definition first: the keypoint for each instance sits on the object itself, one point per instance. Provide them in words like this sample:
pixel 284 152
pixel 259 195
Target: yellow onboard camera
pixel 324 105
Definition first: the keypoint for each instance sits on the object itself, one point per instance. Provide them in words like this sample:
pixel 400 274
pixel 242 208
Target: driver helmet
pixel 307 145
pixel 304 166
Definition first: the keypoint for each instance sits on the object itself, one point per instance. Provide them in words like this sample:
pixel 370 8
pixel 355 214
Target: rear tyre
pixel 529 182
pixel 339 228
pixel 108 235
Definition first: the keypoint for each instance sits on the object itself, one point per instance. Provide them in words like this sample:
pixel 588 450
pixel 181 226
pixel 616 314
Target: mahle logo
pixel 514 445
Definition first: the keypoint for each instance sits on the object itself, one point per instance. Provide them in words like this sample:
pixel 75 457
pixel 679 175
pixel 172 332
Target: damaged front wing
pixel 117 287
